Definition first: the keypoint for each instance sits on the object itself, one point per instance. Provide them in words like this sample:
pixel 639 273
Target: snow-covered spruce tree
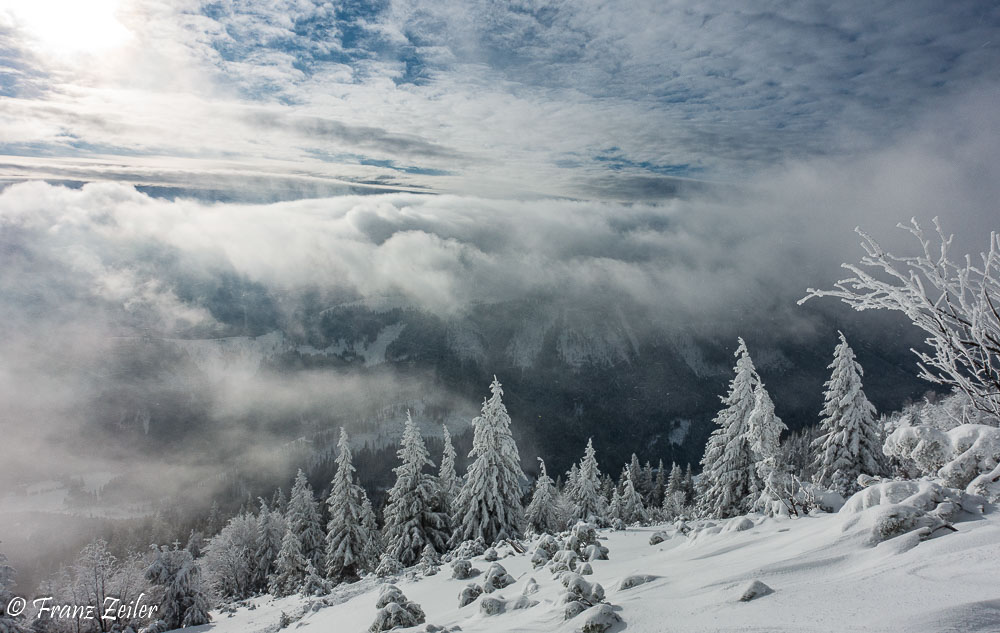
pixel 646 484
pixel 632 510
pixel 729 480
pixel 542 513
pixel 675 483
pixel 489 504
pixel 346 537
pixel 184 602
pixel 634 472
pixel 303 519
pixel 849 444
pixel 659 484
pixel 8 623
pixel 690 491
pixel 413 513
pixel 270 530
pixel 370 526
pixel 778 486
pixel 231 568
pixel 290 567
pixel 615 508
pixel 447 477
pixel 588 503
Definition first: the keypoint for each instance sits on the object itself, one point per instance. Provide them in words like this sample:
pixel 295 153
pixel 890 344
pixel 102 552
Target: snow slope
pixel 824 574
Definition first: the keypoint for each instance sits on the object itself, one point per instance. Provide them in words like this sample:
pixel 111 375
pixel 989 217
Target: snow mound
pixel 600 619
pixel 967 456
pixel 893 508
pixel 469 594
pixel 635 580
pixel 755 590
pixel 658 537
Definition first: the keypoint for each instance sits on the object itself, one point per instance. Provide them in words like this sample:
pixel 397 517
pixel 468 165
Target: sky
pixel 583 99
pixel 696 163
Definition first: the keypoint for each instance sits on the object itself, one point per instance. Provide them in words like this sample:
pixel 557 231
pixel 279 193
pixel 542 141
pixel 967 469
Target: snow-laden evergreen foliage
pixel 729 480
pixel 8 623
pixel 588 503
pixel 184 601
pixel 675 483
pixel 542 514
pixel 659 484
pixel 850 444
pixel 632 509
pixel 779 488
pixel 290 566
pixel 347 547
pixel 303 519
pixel 489 504
pixel 447 477
pixel 231 567
pixel 270 530
pixel 413 514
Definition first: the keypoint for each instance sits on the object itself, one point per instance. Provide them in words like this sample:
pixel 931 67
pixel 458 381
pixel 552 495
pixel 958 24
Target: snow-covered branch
pixel 957 304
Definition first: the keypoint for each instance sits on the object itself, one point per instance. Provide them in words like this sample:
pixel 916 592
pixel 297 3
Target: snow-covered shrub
pixel 490 555
pixel 600 619
pixel 581 589
pixel 573 609
pixel 469 594
pixel 429 561
pixel 635 580
pixel 469 549
pixel 585 569
pixel 582 535
pixel 738 524
pixel 544 551
pixel 960 456
pixel 463 569
pixel 491 606
pixel 595 551
pixel 564 560
pixel 388 566
pixel 530 587
pixel 497 578
pixel 658 537
pixel 394 610
pixel 893 508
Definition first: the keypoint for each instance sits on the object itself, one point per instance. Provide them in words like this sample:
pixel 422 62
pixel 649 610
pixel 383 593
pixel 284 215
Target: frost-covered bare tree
pixel 956 303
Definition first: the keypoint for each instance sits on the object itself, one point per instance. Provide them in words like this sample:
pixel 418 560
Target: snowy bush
pixel 497 578
pixel 600 619
pixel 564 560
pixel 580 589
pixel 469 594
pixel 596 551
pixel 966 456
pixel 490 555
pixel 635 580
pixel 469 549
pixel 530 587
pixel 463 569
pixel 491 606
pixel 394 610
pixel 893 508
pixel 658 537
pixel 585 569
pixel 388 566
pixel 544 551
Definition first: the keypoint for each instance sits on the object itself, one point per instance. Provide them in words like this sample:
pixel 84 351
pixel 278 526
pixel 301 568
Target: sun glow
pixel 68 27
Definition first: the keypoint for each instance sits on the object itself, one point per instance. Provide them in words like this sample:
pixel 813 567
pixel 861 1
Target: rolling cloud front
pixel 694 166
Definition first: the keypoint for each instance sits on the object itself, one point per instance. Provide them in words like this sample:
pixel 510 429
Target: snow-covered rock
pixel 754 590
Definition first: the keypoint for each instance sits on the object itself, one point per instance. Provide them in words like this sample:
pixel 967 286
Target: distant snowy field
pixel 825 575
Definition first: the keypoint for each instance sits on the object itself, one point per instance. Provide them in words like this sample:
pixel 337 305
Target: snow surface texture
pixel 967 456
pixel 825 574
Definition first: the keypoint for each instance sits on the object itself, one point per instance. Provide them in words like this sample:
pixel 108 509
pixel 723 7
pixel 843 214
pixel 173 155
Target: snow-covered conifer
pixel 542 512
pixel 184 601
pixel 730 483
pixel 290 566
pixel 632 510
pixel 634 471
pixel 447 477
pixel 588 503
pixel 8 622
pixel 659 484
pixel 489 504
pixel 849 444
pixel 689 488
pixel 676 481
pixel 270 530
pixel 232 569
pixel 646 483
pixel 346 537
pixel 303 519
pixel 413 514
